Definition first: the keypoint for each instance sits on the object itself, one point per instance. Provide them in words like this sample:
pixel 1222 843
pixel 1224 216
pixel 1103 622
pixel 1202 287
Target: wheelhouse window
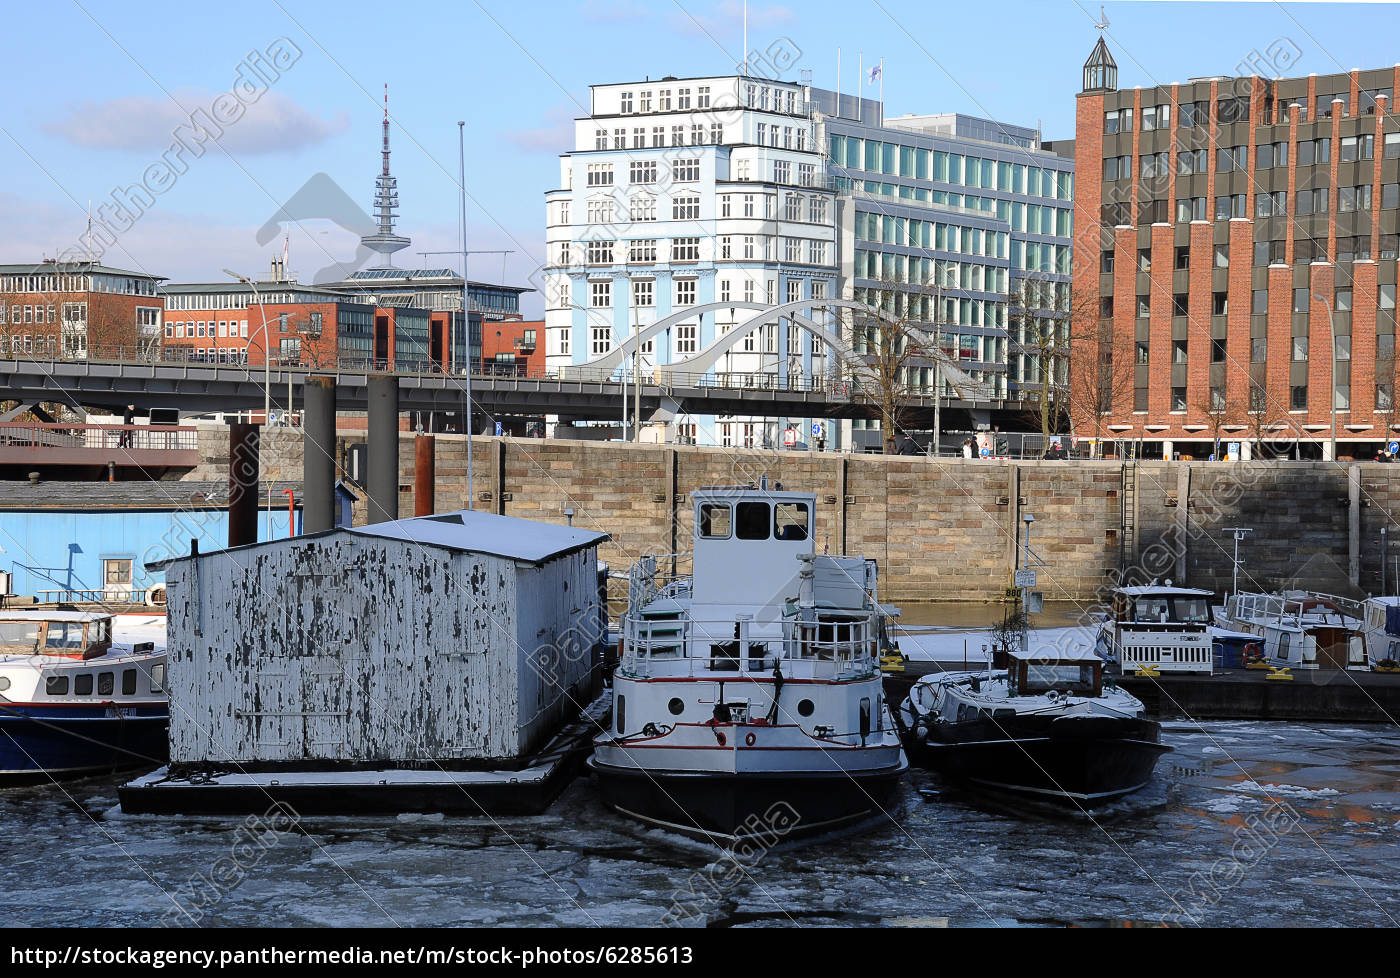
pixel 751 521
pixel 64 635
pixel 22 633
pixel 715 521
pixel 791 521
pixel 1042 675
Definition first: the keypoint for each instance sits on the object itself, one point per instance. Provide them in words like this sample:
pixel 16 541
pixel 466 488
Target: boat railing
pixel 1293 611
pixel 684 647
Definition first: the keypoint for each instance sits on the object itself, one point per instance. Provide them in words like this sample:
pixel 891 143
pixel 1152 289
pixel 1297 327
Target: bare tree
pixel 1217 413
pixel 1040 328
pixel 1100 379
pixel 892 340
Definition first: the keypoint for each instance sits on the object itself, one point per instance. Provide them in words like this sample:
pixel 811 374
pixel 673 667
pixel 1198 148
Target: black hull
pixel 1086 761
pixel 730 808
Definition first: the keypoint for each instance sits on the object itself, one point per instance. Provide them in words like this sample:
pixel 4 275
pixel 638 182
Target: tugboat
pixel 747 699
pixel 1046 727
pixel 74 703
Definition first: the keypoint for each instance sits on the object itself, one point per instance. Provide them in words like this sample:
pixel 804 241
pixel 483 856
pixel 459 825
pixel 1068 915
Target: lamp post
pixel 267 368
pixel 267 359
pixel 1026 587
pixel 1332 332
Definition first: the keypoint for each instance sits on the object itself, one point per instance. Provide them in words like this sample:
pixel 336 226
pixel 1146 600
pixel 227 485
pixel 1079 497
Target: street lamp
pixel 1331 329
pixel 267 358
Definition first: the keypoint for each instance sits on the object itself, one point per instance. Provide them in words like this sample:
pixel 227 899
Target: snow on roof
pixel 486 533
pixel 1163 589
pixel 45 614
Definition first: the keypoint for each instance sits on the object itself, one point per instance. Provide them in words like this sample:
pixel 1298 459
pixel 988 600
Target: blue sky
pixel 88 115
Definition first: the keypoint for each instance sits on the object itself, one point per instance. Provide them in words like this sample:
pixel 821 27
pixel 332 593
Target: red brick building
pixel 78 309
pixel 513 347
pixel 1235 262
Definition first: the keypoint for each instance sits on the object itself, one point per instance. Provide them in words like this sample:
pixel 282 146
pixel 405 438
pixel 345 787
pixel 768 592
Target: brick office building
pixel 1235 257
pixel 512 348
pixel 74 310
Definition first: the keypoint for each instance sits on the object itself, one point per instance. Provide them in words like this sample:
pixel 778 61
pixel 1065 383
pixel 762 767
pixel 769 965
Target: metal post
pixel 424 479
pixel 382 479
pixel 1025 588
pixel 267 364
pixel 466 308
pixel 243 484
pixel 1384 556
pixel 637 370
pixel 318 455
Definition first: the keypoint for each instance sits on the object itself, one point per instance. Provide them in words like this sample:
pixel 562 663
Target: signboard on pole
pixel 1025 578
pixel 789 437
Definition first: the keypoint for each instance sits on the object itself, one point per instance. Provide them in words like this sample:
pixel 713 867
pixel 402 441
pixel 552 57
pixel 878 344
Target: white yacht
pixel 1300 629
pixel 1381 633
pixel 750 693
pixel 1158 626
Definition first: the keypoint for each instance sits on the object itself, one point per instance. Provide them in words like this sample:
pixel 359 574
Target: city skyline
pixel 96 126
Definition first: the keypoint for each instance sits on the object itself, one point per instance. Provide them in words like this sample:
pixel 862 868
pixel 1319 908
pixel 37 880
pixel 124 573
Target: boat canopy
pixel 73 634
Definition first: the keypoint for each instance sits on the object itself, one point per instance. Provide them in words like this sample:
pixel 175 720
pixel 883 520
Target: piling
pixel 242 484
pixel 382 480
pixel 424 475
pixel 318 453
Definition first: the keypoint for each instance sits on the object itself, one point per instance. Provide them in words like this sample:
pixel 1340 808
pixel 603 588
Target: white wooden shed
pixel 457 637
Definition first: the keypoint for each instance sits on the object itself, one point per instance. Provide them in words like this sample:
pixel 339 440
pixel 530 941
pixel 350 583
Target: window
pixel 1259 304
pixel 790 521
pixel 1268 155
pixel 686 341
pixel 1218 351
pixel 792 207
pixel 600 340
pixel 1300 348
pixel 1179 304
pixel 1118 167
pixel 686 170
pixel 1298 398
pixel 1392 145
pixel 685 292
pixel 599 212
pixel 1312 201
pixel 600 295
pixel 1390 195
pixel 1231 109
pixel 1273 204
pixel 1300 300
pixel 806 172
pixel 1178 351
pixel 56 685
pixel 1189 161
pixel 1220 303
pixel 1191 114
pixel 128 682
pixel 1153 165
pixel 1117 119
pixel 643 292
pixel 1178 399
pixel 816 252
pixel 1222 256
pixel 600 174
pixel 1231 158
pixel 782 171
pixel 751 521
pixel 1233 205
pixel 1156 117
pixel 1192 209
pixel 1144 259
pixel 1269 252
pixel 600 253
pixel 685 249
pixel 626 106
pixel 1341 347
pixel 1258 349
pixel 1353 199
pixel 685 207
pixel 1357 147
pixel 105 683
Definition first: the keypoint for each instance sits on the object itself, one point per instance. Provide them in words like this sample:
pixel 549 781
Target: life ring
pixel 155 596
pixel 750 740
pixel 1252 652
pixel 719 737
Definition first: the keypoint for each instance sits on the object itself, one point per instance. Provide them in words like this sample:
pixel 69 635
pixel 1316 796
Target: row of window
pixel 1315 200
pixel 893 159
pixel 663 99
pixel 914 270
pixel 1303 301
pixel 1233 158
pixel 700 135
pixel 200 329
pixel 104 683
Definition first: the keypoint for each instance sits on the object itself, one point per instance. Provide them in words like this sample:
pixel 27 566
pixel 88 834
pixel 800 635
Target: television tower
pixel 386 203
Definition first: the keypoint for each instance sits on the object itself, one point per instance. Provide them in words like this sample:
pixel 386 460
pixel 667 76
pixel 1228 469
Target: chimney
pixel 242 484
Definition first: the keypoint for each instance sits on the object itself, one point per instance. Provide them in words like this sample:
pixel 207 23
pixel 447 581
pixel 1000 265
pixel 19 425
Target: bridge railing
pixel 38 436
pixel 836 388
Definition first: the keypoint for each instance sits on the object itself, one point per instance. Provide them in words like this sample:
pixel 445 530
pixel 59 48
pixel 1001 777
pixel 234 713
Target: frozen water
pixel 1192 847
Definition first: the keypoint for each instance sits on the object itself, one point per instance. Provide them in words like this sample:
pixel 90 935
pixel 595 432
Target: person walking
pixel 128 419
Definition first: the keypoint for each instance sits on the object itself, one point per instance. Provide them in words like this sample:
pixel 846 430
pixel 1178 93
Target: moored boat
pixel 73 701
pixel 747 699
pixel 1047 726
pixel 1159 628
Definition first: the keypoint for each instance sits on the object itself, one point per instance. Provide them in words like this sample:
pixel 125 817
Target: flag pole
pixel 860 84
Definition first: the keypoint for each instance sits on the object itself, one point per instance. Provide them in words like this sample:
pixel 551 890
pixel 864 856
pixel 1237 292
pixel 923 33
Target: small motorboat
pixel 72 701
pixel 1047 726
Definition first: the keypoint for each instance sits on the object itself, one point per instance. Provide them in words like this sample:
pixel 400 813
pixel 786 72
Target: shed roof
pixel 471 531
pixel 465 531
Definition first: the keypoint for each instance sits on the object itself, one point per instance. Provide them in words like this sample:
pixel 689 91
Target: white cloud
pixel 140 123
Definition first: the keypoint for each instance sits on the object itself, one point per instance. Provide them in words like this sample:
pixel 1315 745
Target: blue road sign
pixel 816 429
pixel 498 427
pixel 1394 447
